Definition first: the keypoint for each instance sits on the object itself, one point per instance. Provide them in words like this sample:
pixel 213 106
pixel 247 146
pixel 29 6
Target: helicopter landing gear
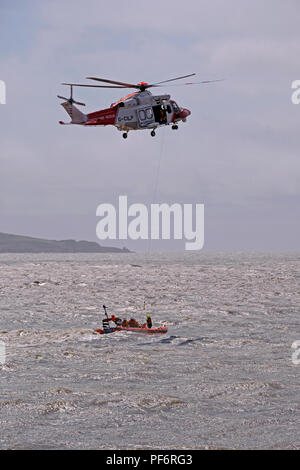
pixel 125 135
pixel 153 133
pixel 174 127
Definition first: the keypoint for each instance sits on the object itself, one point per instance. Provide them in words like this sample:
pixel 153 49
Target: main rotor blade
pixel 172 79
pixel 124 85
pixel 193 83
pixel 205 81
pixel 93 86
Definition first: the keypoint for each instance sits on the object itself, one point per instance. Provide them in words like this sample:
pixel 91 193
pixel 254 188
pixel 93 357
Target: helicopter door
pixel 146 116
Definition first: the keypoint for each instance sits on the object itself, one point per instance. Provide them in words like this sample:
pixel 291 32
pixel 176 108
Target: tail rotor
pixel 70 100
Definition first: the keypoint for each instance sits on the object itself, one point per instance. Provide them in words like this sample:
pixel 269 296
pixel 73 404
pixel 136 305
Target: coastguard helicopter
pixel 139 110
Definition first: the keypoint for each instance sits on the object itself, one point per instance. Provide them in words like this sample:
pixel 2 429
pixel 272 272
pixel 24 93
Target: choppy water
pixel 221 378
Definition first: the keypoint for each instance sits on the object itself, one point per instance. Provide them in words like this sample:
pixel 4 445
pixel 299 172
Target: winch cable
pixel 156 180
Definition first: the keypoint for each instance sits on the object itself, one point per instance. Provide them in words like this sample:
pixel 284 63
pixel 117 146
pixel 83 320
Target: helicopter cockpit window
pixel 175 107
pixel 142 115
pixel 169 109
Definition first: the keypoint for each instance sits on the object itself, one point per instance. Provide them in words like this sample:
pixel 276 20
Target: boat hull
pixel 147 331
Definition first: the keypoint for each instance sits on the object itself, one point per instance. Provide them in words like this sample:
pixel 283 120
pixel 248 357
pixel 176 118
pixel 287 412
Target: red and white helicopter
pixel 137 111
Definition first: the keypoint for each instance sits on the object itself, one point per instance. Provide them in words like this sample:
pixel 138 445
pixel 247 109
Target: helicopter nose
pixel 184 113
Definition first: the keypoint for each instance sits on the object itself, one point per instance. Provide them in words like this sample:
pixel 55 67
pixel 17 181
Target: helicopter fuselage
pixel 137 111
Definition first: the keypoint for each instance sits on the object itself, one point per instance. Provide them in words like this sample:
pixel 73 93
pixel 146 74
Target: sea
pixel 226 375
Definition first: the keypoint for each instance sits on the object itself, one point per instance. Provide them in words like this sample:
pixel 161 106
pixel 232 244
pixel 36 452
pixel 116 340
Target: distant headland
pixel 10 243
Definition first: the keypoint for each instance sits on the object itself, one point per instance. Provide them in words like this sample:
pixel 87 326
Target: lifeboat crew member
pixel 149 321
pixel 116 320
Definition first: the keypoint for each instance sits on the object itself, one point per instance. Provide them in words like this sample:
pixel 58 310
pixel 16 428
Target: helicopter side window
pixel 169 109
pixel 142 115
pixel 149 113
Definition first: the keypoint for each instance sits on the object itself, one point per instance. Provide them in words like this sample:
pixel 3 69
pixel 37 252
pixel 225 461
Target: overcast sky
pixel 238 152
